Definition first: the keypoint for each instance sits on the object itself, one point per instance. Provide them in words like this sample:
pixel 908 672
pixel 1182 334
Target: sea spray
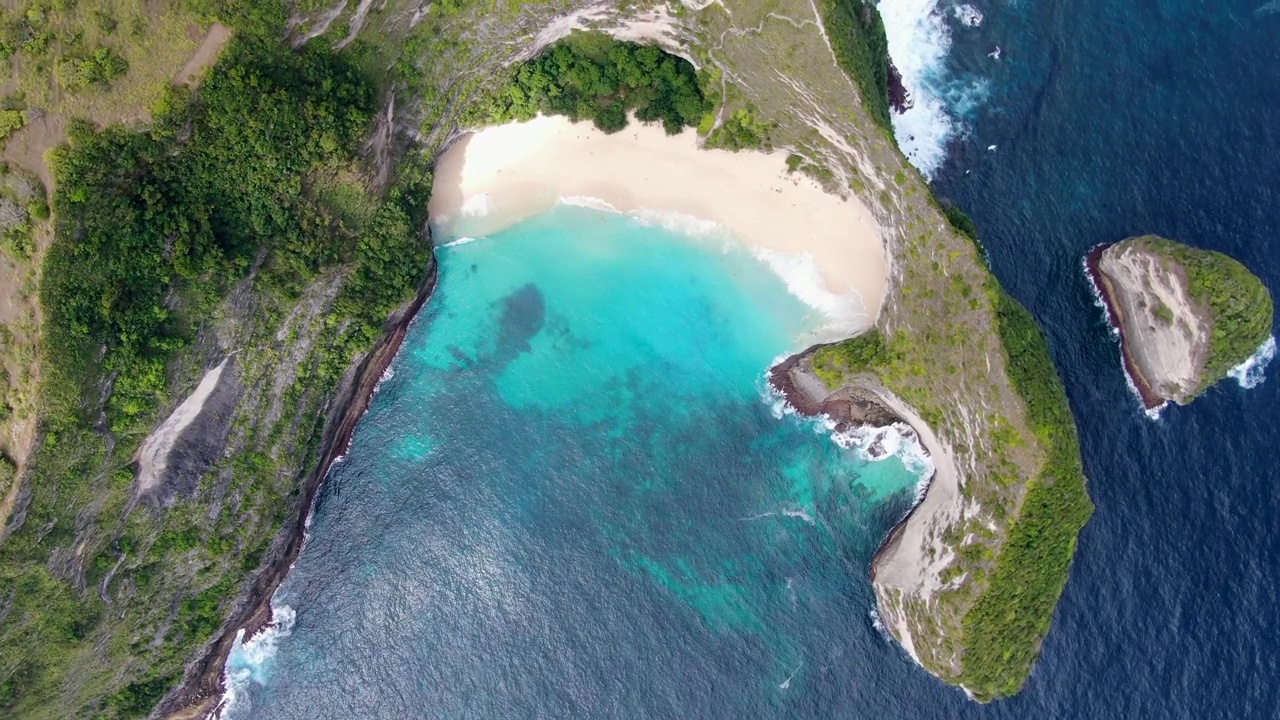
pixel 585 201
pixel 1252 371
pixel 475 206
pixel 250 662
pixel 968 15
pixel 919 42
pixel 871 443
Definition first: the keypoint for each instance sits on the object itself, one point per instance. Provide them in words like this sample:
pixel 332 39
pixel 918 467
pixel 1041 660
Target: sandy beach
pixel 828 249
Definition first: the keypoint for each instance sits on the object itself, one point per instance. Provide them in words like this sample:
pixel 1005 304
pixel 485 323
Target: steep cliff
pixel 1185 316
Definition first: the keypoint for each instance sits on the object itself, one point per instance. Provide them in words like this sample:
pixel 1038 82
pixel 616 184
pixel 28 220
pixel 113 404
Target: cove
pixel 573 497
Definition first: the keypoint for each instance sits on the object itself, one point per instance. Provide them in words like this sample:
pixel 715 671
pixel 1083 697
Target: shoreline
pixel 828 249
pixel 203 684
pixel 842 413
pixel 1151 402
pixel 905 560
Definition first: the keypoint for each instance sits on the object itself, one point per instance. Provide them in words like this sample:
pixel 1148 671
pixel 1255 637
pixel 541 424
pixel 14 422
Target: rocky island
pixel 1185 316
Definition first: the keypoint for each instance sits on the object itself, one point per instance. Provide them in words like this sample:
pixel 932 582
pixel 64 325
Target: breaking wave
pixel 459 241
pixel 250 662
pixel 872 443
pixel 919 41
pixel 1252 371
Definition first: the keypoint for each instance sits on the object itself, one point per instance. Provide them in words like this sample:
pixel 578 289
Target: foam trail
pixel 1251 372
pixel 919 41
pixel 459 241
pixel 844 313
pixel 968 15
pixel 249 662
pixel 594 203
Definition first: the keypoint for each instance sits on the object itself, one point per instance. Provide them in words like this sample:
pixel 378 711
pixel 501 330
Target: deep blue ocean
pixel 571 498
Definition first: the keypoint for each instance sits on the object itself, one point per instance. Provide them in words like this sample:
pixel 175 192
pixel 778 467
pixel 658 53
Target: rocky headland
pixel 1185 316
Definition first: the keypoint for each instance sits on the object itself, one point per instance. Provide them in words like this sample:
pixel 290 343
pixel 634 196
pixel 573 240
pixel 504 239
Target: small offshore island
pixel 1185 316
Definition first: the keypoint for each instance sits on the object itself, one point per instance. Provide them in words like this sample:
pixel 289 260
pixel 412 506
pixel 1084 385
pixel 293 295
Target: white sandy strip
pixel 153 456
pixel 828 249
pixel 912 563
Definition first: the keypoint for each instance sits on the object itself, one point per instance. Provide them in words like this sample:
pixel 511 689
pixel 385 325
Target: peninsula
pixel 1185 316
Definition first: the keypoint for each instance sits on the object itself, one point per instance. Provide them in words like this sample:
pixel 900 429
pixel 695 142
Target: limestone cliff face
pixel 1164 331
pixel 1185 316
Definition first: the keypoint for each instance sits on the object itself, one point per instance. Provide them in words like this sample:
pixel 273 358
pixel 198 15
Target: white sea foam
pixel 797 513
pixel 879 443
pixel 249 662
pixel 586 201
pixel 968 15
pixel 684 224
pixel 919 41
pixel 459 241
pixel 872 444
pixel 844 313
pixel 1251 372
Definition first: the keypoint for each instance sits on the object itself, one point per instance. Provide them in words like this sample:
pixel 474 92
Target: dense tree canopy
pixel 590 75
pixel 193 200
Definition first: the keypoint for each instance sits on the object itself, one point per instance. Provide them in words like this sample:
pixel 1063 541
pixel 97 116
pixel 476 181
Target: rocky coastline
pixel 202 685
pixel 848 407
pixel 1106 293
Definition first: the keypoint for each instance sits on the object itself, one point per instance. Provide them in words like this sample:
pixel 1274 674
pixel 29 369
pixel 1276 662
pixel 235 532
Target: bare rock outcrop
pixel 1185 316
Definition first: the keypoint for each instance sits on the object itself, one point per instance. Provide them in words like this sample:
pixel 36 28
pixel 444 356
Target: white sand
pixel 828 249
pixel 910 567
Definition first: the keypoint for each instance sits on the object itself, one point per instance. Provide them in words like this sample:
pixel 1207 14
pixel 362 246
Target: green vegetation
pixel 252 184
pixel 1238 302
pixel 856 31
pixel 99 67
pixel 22 205
pixel 742 130
pixel 151 214
pixel 100 60
pixel 1004 629
pixel 590 75
pixel 11 121
pixel 833 363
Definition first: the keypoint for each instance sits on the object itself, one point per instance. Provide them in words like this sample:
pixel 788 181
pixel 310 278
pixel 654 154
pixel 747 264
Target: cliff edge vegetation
pixel 1186 316
pixel 230 225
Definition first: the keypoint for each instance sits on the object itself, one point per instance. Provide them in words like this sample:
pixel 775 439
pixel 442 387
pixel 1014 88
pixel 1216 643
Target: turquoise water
pixel 573 498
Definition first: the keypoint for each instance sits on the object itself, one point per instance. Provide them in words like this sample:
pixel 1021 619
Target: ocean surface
pixel 572 497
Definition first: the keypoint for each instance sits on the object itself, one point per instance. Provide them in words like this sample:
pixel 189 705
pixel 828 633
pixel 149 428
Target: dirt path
pixel 205 56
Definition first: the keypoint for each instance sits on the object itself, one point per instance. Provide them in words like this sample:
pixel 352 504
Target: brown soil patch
pixel 27 147
pixel 206 55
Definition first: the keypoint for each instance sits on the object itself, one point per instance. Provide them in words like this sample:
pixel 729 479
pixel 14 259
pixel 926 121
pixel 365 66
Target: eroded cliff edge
pixel 1185 316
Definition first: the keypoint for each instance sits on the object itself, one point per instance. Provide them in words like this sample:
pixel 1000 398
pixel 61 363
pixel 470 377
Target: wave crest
pixel 250 661
pixel 1252 371
pixel 919 42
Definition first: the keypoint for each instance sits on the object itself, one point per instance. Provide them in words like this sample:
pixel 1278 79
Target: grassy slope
pixel 1238 302
pixel 104 601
